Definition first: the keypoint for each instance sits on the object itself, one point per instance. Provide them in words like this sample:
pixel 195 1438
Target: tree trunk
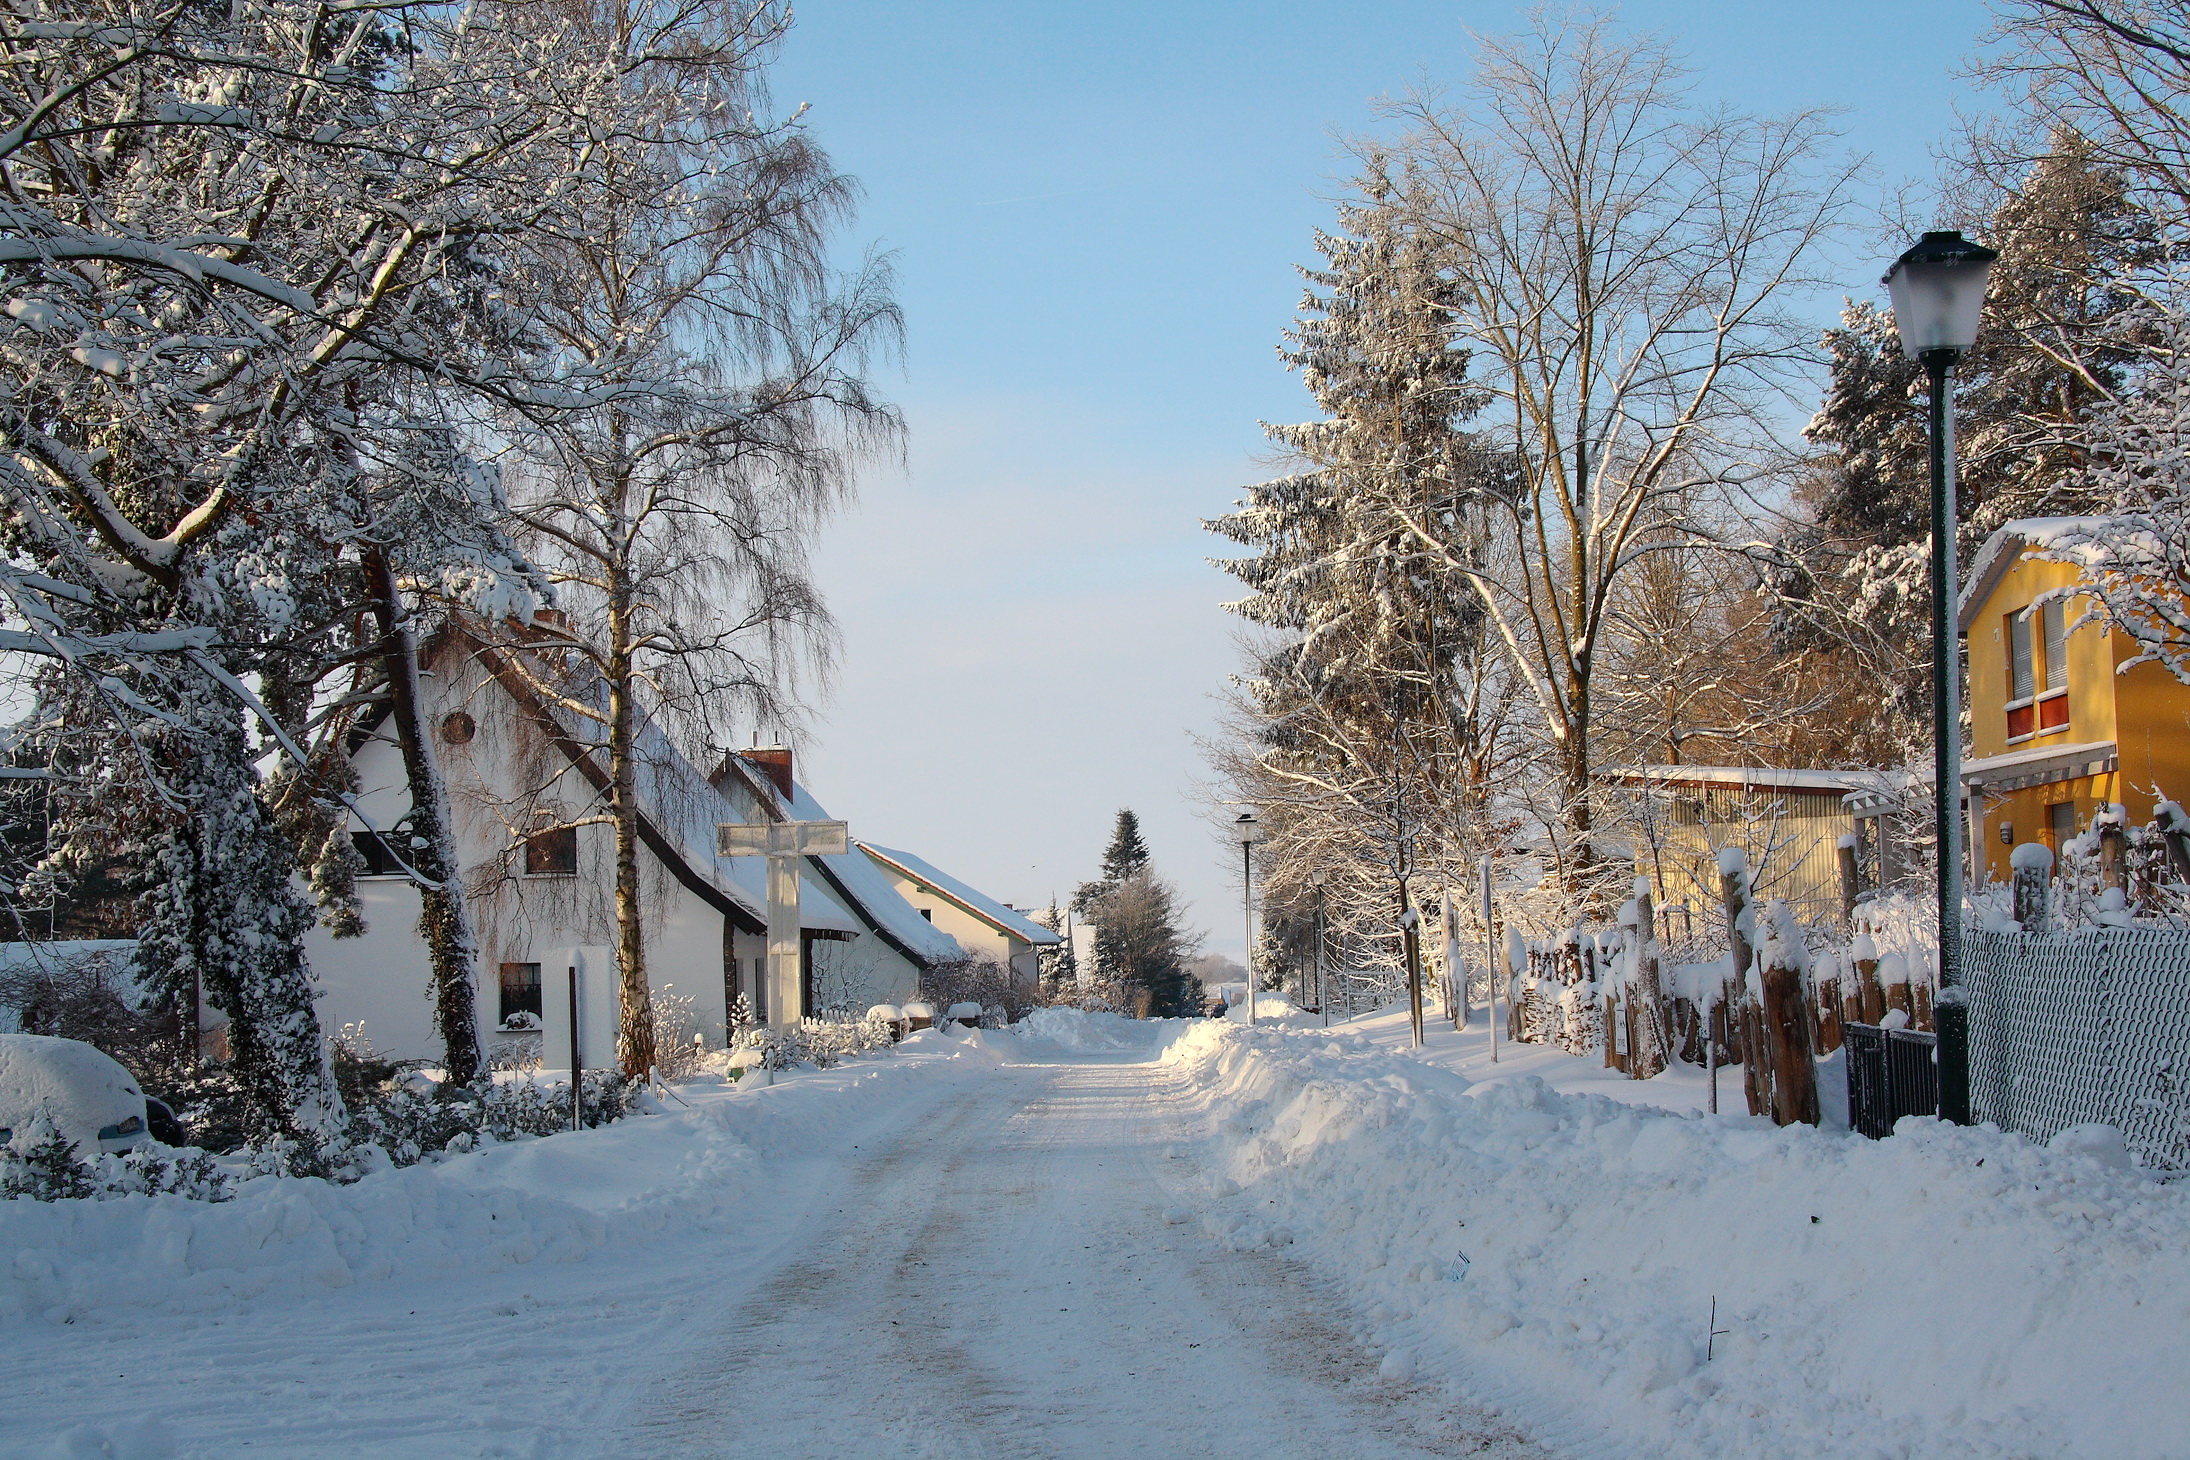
pixel 635 1036
pixel 428 842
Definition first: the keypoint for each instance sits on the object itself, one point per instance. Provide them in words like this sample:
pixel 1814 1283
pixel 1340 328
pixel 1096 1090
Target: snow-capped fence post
pixel 2033 868
pixel 1743 1020
pixel 1651 1023
pixel 1870 994
pixel 1787 1060
pixel 1849 877
pixel 2174 829
pixel 1826 1005
pixel 2113 848
pixel 1893 970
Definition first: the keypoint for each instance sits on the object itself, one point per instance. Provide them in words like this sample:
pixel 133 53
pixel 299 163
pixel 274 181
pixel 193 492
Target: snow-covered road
pixel 1094 1237
pixel 1001 1281
pixel 981 1266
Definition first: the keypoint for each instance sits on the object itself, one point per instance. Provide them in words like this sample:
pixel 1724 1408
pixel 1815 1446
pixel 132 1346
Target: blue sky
pixel 1095 211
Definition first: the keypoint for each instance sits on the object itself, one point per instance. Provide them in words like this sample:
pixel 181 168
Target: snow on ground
pixel 1944 1293
pixel 1094 1237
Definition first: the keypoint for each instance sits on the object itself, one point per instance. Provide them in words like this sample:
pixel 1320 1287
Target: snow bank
pixel 1945 1293
pixel 1079 1031
pixel 552 1199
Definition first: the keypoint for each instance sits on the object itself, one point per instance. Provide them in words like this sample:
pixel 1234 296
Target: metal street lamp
pixel 1938 290
pixel 1320 878
pixel 1250 832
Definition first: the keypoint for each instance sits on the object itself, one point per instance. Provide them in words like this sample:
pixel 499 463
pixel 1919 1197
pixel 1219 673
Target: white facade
pixel 551 905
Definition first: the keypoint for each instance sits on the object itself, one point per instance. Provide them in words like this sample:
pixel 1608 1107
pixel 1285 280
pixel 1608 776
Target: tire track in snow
pixel 999 1284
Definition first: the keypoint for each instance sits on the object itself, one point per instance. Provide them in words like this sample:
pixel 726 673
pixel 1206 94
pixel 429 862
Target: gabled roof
pixel 2071 538
pixel 1005 920
pixel 679 808
pixel 856 881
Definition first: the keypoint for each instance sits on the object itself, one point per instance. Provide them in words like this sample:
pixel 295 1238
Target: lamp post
pixel 1250 831
pixel 1320 878
pixel 1938 290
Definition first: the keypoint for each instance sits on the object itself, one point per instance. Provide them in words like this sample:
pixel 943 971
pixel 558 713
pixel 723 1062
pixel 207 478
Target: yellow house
pixel 2056 732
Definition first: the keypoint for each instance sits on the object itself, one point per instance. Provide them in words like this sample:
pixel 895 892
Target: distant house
pixel 527 786
pixel 2057 731
pixel 1789 823
pixel 984 927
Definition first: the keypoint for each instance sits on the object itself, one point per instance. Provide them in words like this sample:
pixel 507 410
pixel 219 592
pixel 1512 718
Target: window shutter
pixel 2056 628
pixel 2021 685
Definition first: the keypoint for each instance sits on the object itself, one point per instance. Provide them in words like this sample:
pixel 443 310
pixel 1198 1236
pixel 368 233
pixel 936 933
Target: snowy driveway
pixel 981 1267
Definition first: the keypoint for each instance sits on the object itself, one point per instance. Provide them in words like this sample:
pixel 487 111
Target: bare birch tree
pixel 725 406
pixel 1620 262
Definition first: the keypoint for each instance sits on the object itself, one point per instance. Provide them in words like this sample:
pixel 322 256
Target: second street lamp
pixel 1250 831
pixel 1938 290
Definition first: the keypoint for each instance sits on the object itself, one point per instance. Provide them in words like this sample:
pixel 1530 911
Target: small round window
pixel 458 728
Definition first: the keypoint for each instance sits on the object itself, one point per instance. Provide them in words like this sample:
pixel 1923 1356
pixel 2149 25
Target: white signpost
pixel 785 844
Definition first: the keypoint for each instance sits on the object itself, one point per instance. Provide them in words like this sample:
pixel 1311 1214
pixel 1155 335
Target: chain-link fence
pixel 2087 1026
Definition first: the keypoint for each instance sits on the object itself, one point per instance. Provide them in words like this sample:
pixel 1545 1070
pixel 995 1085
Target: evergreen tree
pixel 2057 341
pixel 1059 965
pixel 1138 943
pixel 1125 855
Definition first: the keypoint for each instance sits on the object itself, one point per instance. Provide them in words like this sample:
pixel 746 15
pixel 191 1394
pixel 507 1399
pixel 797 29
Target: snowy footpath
pixel 1092 1238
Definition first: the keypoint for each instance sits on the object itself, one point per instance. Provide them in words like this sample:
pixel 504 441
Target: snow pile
pixel 552 1199
pixel 1270 1008
pixel 1077 1030
pixel 1944 1293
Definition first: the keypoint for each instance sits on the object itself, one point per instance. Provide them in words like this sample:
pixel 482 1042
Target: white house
pixel 528 795
pixel 984 927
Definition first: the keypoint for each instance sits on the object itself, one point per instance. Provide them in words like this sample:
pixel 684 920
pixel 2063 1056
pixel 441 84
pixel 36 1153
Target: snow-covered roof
pixel 865 882
pixel 1837 782
pixel 2039 760
pixel 1008 921
pixel 2073 539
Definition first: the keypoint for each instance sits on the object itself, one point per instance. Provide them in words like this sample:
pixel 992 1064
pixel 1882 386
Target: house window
pixel 552 853
pixel 374 853
pixel 520 991
pixel 928 913
pixel 2022 683
pixel 2054 617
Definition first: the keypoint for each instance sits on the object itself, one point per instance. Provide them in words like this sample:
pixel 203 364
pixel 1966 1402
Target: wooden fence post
pixel 1744 1020
pixel 1870 994
pixel 1849 878
pixel 1894 970
pixel 1828 1005
pixel 1649 1038
pixel 2033 869
pixel 1785 1016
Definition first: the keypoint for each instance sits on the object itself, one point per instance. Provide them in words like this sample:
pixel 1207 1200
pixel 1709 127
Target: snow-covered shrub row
pixel 44 1166
pixel 816 1042
pixel 409 1119
pixel 690 1166
pixel 1949 1293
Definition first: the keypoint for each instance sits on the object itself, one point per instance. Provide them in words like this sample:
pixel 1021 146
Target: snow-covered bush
pixel 42 1165
pixel 677 1049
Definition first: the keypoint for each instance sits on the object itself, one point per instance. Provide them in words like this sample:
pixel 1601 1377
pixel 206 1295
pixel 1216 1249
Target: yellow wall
pixel 2093 651
pixel 2145 713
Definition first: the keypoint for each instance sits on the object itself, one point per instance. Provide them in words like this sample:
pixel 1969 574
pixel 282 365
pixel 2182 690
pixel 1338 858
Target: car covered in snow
pixel 82 1092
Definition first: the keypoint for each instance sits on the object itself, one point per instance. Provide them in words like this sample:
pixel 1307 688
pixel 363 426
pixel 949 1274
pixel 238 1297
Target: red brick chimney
pixel 773 761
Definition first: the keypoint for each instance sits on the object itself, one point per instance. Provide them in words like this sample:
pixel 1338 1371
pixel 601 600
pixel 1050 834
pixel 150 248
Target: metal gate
pixel 1891 1073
